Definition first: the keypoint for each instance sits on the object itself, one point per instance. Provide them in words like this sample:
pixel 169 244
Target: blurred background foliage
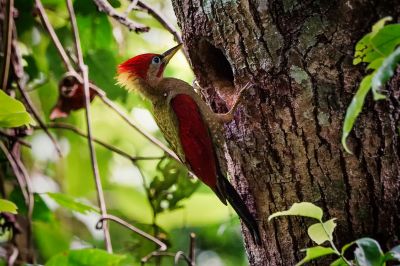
pixel 155 195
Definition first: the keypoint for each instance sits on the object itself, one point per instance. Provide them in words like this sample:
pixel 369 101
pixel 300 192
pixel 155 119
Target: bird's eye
pixel 156 60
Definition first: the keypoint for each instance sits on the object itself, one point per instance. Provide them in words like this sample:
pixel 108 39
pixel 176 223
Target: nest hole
pixel 214 64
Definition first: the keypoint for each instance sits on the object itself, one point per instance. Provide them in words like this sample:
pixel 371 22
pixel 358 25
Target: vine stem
pixel 85 74
pixel 8 18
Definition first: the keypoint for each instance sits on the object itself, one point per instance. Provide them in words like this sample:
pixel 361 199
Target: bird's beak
pixel 170 53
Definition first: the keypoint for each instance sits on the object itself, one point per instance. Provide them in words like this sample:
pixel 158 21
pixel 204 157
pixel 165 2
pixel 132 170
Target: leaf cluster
pixel 380 50
pixel 367 253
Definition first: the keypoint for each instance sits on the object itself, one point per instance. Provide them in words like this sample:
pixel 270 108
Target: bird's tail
pixel 241 209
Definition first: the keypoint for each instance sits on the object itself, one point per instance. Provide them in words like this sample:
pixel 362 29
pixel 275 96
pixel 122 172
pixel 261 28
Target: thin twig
pixel 130 7
pixel 24 182
pixel 100 142
pixel 179 255
pixel 164 22
pixel 13 256
pixel 125 117
pixel 9 21
pixel 53 35
pixel 20 80
pixel 15 138
pixel 17 173
pixel 35 114
pixel 100 224
pixel 192 249
pixel 105 7
pixel 25 175
pixel 29 189
pixel 85 74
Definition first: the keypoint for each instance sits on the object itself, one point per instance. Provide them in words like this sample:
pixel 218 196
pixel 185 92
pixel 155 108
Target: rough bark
pixel 284 145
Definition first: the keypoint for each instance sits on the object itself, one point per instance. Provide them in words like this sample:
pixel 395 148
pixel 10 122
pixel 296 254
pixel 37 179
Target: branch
pixel 24 182
pixel 105 7
pixel 15 138
pixel 35 114
pixel 9 21
pixel 100 223
pixel 17 173
pixel 46 23
pixel 163 21
pixel 95 168
pixel 19 77
pixel 100 142
pixel 192 249
pixel 125 117
pixel 179 255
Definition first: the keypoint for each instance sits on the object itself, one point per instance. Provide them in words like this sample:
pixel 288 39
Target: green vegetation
pixel 367 253
pixel 151 192
pixel 379 49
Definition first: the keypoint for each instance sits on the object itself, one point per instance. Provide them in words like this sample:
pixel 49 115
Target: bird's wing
pixel 195 139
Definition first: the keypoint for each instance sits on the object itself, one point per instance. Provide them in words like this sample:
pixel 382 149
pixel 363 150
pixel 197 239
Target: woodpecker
pixel 191 128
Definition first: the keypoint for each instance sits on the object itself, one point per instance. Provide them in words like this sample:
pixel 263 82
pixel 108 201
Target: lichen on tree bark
pixel 284 145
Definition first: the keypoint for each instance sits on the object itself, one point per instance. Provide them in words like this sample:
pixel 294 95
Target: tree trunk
pixel 284 145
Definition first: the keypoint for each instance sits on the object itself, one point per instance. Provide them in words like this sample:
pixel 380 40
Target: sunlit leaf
pixel 8 206
pixel 70 203
pixel 380 24
pixel 305 209
pixel 13 112
pixel 355 108
pixel 385 72
pixel 85 257
pixel 368 252
pixel 320 233
pixel 315 252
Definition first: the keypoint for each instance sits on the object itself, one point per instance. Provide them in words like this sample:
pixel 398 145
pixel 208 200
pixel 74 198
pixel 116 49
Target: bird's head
pixel 148 68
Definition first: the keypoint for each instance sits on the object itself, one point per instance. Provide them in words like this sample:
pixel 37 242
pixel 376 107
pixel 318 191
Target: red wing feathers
pixel 195 139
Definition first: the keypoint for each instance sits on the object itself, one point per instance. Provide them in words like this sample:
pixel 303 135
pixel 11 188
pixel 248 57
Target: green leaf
pixel 315 252
pixel 8 206
pixel 306 209
pixel 319 233
pixel 376 63
pixel 13 112
pixel 70 203
pixel 51 238
pixel 170 186
pixel 354 109
pixel 85 257
pixel 386 40
pixel 380 24
pixel 393 254
pixel 365 50
pixel 339 262
pixel 384 73
pixel 368 253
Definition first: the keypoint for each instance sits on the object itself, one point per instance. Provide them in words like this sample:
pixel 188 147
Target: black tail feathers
pixel 241 209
